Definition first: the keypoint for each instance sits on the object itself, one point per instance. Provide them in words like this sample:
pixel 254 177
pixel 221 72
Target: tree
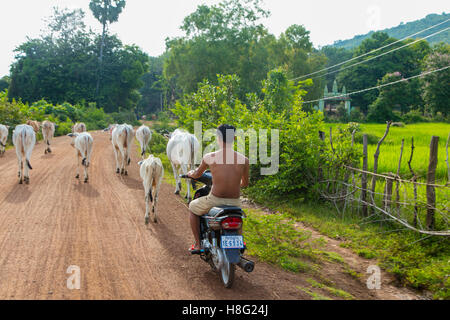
pixel 4 83
pixel 60 66
pixel 436 92
pixel 227 38
pixel 407 61
pixel 153 88
pixel 106 12
pixel 390 97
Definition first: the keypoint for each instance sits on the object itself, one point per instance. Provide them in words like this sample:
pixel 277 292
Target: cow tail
pixel 24 136
pixel 86 143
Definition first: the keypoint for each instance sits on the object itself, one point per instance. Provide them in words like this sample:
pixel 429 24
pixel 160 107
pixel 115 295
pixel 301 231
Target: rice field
pixel 390 149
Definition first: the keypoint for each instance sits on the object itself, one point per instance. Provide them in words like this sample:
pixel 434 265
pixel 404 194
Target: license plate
pixel 232 242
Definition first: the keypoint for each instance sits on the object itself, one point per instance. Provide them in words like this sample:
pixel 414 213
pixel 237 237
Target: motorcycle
pixel 220 235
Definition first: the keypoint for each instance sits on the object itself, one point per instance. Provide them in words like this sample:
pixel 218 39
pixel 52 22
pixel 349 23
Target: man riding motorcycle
pixel 230 172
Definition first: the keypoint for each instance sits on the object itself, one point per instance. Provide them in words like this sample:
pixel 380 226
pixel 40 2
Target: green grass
pixel 390 149
pixel 332 290
pixel 419 264
pixel 314 295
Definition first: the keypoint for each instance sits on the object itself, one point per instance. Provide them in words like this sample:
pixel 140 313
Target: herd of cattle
pixel 182 151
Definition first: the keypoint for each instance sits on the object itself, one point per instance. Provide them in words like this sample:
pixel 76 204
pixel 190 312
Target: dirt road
pixel 57 222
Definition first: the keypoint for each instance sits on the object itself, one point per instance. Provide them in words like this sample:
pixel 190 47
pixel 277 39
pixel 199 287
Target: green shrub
pixel 157 144
pixel 356 115
pixel 414 116
pixel 128 117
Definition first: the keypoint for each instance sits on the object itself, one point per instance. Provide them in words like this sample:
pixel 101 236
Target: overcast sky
pixel 148 22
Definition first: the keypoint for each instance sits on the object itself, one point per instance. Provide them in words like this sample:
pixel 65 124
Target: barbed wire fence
pixel 418 204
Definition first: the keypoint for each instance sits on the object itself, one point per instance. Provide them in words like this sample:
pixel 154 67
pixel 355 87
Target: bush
pixel 157 144
pixel 128 117
pixel 414 116
pixel 94 118
pixel 356 115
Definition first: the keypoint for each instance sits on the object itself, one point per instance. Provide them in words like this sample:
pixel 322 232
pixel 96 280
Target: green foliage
pixel 300 145
pixel 228 38
pixel 436 94
pixel 124 116
pixel 61 66
pixel 158 144
pixel 13 113
pixel 407 61
pixel 107 11
pixel 4 83
pixel 390 97
pixel 414 116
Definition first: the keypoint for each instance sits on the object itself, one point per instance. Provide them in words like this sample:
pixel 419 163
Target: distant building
pixel 332 99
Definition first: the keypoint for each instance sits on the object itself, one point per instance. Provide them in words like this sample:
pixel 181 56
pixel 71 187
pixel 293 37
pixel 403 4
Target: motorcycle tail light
pixel 232 223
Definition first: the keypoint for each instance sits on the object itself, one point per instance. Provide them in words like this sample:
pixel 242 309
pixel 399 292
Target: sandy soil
pixel 58 221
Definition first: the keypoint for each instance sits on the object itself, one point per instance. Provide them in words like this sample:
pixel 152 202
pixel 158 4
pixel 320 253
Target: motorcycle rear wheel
pixel 227 273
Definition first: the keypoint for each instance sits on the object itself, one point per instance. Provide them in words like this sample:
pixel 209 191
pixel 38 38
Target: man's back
pixel 228 174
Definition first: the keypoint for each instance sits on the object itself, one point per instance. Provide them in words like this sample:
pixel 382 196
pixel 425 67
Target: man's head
pixel 226 134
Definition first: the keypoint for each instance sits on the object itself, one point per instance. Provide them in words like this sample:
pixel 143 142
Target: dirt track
pixel 57 221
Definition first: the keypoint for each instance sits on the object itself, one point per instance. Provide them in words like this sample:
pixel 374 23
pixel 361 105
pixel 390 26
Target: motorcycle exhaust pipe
pixel 246 265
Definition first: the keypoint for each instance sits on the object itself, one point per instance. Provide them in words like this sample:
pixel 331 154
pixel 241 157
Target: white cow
pixel 3 137
pixel 152 173
pixel 48 132
pixel 84 145
pixel 24 139
pixel 182 151
pixel 122 140
pixel 143 136
pixel 110 129
pixel 79 128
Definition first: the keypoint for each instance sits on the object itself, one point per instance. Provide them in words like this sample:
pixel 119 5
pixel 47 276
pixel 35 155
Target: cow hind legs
pixel 178 190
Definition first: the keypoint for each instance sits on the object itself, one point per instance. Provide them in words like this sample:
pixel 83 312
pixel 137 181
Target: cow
pixel 182 151
pixel 48 132
pixel 79 128
pixel 83 144
pixel 152 173
pixel 122 139
pixel 24 139
pixel 110 129
pixel 143 136
pixel 3 138
pixel 34 124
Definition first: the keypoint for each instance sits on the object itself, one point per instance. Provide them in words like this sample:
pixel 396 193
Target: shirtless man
pixel 230 172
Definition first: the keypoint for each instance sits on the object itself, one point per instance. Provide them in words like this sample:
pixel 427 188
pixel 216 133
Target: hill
pixel 405 29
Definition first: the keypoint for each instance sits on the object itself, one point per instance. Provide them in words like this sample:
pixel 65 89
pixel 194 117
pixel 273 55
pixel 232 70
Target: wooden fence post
pixel 414 180
pixel 431 180
pixel 364 176
pixel 397 187
pixel 375 163
pixel 388 192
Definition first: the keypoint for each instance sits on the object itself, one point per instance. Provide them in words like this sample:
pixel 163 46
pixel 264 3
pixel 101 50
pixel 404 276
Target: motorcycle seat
pixel 223 210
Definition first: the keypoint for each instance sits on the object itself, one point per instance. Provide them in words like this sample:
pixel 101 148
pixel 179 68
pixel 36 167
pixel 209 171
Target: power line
pixel 376 50
pixel 380 86
pixel 383 54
